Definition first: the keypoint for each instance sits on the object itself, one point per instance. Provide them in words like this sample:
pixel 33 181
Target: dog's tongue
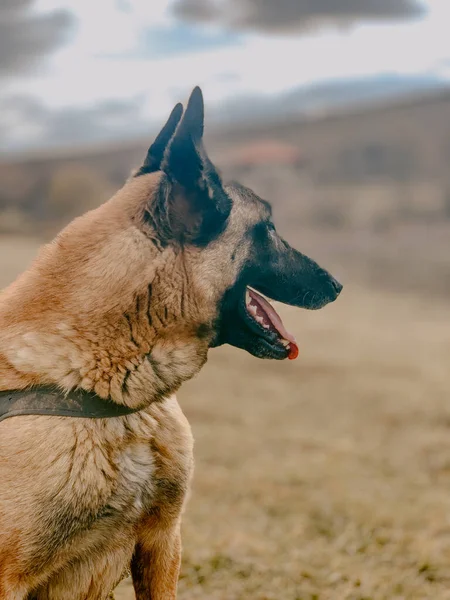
pixel 276 322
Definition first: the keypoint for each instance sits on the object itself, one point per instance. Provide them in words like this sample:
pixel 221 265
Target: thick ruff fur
pixel 126 302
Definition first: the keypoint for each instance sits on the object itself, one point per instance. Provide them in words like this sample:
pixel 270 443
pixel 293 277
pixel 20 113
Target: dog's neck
pixel 119 357
pixel 133 357
pixel 112 322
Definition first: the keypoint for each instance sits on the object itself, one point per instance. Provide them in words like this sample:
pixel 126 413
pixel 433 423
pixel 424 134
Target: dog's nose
pixel 337 286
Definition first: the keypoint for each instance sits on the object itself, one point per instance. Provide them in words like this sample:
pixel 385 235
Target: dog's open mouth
pixel 264 318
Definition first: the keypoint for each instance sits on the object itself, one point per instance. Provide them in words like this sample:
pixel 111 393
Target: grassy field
pixel 324 478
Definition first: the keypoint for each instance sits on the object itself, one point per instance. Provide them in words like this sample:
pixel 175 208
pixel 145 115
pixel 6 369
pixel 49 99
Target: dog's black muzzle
pixel 280 273
pixel 293 278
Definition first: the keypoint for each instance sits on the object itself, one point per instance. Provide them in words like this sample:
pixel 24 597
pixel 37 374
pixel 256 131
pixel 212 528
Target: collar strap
pixel 46 401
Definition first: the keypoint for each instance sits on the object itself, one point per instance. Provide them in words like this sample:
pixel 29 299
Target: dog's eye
pixel 261 234
pixel 272 232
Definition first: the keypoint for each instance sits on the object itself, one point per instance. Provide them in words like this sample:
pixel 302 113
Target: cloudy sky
pixel 80 71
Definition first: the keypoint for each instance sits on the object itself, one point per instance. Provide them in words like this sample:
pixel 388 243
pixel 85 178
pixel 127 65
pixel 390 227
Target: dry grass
pixel 326 478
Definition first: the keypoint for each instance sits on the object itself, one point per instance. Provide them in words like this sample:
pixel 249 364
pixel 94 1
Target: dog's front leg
pixel 156 563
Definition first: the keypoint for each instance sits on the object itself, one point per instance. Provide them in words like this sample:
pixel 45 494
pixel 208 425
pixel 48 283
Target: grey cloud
pixel 13 5
pixel 25 37
pixel 292 15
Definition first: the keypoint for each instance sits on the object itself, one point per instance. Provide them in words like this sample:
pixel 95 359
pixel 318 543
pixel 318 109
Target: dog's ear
pixel 183 161
pixel 192 199
pixel 156 151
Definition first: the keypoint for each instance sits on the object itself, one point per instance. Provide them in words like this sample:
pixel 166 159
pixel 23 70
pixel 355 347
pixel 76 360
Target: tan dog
pixel 126 302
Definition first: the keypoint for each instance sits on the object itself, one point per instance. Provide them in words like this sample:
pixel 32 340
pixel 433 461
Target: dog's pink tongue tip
pixel 293 351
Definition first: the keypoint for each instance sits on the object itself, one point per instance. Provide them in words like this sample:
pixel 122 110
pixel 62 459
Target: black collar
pixel 47 401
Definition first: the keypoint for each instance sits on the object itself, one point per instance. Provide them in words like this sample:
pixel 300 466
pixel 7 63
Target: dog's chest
pixel 93 481
pixel 149 460
pixel 134 490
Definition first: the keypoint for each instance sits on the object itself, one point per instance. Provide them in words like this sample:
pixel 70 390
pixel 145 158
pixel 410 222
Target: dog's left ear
pixel 195 204
pixel 155 154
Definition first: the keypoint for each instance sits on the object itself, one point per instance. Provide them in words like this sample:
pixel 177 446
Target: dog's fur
pixel 126 302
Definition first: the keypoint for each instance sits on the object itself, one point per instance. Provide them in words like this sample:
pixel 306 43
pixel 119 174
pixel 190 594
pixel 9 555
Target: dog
pixel 124 304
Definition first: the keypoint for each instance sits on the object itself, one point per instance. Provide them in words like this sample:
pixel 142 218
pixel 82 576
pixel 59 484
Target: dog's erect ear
pixel 156 151
pixel 183 161
pixel 192 199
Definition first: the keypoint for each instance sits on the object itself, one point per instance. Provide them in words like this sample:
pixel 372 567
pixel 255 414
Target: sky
pixel 82 71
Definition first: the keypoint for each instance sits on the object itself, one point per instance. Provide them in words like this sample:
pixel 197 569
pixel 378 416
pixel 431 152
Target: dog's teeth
pixel 265 325
pixel 252 309
pixel 259 319
pixel 247 298
pixel 285 343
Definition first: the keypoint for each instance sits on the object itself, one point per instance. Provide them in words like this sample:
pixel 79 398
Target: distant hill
pixel 357 91
pixel 384 157
pixel 330 96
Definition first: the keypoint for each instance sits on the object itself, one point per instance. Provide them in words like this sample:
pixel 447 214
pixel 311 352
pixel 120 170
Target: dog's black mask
pixel 280 272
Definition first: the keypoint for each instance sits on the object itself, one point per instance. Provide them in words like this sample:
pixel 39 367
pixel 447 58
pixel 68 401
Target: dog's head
pixel 230 245
pixel 128 299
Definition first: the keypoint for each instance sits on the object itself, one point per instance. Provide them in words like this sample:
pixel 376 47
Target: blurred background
pixel 329 477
